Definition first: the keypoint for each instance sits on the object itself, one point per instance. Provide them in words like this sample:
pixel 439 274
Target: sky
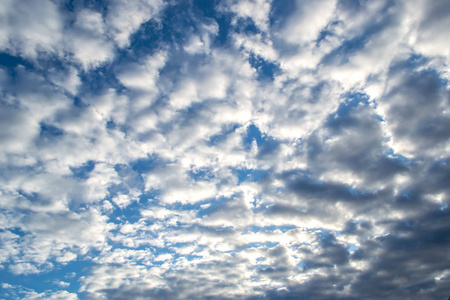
pixel 224 149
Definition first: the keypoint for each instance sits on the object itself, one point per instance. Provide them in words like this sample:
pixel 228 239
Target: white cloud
pixel 62 283
pixel 273 161
pixel 29 27
pixel 306 22
pixel 23 268
pixel 68 256
pixel 143 76
pixel 257 10
pixel 429 37
pixel 125 17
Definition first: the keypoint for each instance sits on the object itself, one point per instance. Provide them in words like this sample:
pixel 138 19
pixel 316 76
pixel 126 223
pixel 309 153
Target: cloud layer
pixel 224 149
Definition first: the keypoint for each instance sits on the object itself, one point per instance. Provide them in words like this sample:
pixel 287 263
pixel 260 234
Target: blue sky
pixel 232 149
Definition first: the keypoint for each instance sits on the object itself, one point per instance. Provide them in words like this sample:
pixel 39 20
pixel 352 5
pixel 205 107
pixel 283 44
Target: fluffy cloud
pixel 30 27
pixel 37 30
pixel 231 150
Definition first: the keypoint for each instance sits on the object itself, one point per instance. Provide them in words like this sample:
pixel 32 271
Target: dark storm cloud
pixel 408 259
pixel 325 191
pixel 415 108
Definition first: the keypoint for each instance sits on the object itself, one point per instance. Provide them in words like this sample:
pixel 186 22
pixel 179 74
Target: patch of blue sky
pixel 150 197
pixel 143 165
pixel 208 10
pixel 69 5
pixel 380 118
pixel 49 134
pixel 302 265
pixel 246 26
pixel 190 257
pixel 47 280
pixel 402 160
pixel 82 172
pixel 147 40
pixel 98 80
pixel 14 230
pixel 10 62
pixel 130 213
pixel 354 98
pixel 79 103
pixel 179 18
pixel 280 11
pixel 352 248
pixel 100 6
pixel 49 131
pixel 351 102
pixel 266 70
pixel 205 7
pixel 201 174
pixel 323 34
pixel 253 134
pixel 111 125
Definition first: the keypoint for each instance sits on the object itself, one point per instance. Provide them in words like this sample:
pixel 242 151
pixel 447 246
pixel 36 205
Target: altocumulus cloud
pixel 235 149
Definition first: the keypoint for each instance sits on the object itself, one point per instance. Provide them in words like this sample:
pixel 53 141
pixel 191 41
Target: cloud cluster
pixel 224 150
